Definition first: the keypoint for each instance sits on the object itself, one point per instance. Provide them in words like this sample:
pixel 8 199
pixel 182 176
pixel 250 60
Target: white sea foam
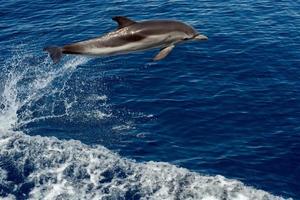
pixel 71 170
pixel 34 167
pixel 97 115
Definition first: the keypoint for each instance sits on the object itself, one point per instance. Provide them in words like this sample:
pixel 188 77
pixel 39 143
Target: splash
pixel 26 80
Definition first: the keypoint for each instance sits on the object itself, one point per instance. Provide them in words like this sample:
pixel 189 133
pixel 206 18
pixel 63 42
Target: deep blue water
pixel 228 106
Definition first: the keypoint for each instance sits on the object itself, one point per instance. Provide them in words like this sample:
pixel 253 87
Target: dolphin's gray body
pixel 132 36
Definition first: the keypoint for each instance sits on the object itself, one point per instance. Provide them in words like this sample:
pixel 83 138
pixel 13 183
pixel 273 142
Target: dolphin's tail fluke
pixel 55 53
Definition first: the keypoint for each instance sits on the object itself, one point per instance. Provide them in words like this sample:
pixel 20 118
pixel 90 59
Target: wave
pixel 35 167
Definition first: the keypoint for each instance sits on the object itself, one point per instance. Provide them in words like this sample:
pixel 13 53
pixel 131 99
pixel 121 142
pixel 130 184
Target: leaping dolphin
pixel 132 36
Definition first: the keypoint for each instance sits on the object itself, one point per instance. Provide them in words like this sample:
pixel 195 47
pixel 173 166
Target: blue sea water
pixel 214 120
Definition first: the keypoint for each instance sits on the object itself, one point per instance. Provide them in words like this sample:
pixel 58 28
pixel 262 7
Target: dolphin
pixel 132 36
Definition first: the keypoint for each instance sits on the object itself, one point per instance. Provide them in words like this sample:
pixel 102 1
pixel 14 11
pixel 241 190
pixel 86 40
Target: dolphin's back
pixel 158 27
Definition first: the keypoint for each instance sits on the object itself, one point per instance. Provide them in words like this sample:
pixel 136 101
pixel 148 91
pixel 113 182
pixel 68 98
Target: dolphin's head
pixel 192 35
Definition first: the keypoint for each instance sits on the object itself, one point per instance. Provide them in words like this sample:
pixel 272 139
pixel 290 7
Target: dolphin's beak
pixel 200 37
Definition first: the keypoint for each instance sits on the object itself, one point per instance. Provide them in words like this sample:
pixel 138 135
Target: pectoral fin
pixel 164 52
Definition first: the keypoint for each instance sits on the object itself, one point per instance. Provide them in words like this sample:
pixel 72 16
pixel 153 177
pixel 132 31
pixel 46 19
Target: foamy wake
pixel 34 167
pixel 48 168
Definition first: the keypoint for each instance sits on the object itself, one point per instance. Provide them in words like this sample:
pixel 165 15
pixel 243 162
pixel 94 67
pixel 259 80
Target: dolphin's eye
pixel 185 38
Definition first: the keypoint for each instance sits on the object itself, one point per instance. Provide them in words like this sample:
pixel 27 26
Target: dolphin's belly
pixel 147 43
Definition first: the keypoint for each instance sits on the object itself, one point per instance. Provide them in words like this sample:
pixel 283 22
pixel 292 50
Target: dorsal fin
pixel 123 21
